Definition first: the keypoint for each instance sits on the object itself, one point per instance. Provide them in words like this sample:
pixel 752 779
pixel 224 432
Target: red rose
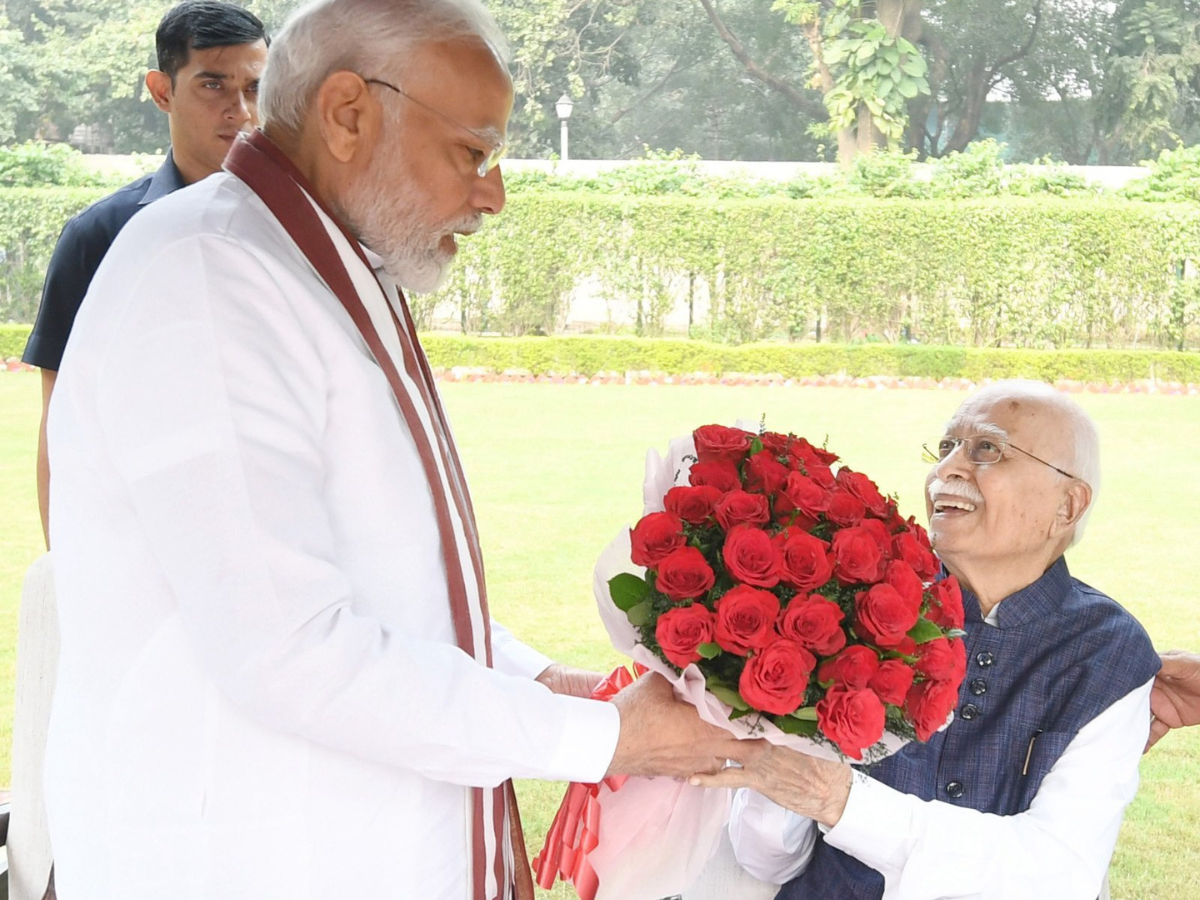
pixel 864 489
pixel 908 547
pixel 692 504
pixel 791 518
pixel 805 560
pixel 943 660
pixel 776 678
pixel 806 495
pixel 928 704
pixel 716 443
pixel 721 475
pixel 746 619
pixel 751 556
pixel 685 574
pixel 900 575
pixel 655 537
pixel 853 668
pixel 883 616
pixel 765 474
pixel 815 623
pixel 844 508
pixel 778 444
pixel 741 508
pixel 856 556
pixel 946 604
pixel 822 475
pixel 851 719
pixel 892 681
pixel 813 456
pixel 878 530
pixel 681 630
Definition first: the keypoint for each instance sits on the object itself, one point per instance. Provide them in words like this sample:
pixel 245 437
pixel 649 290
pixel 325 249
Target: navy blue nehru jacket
pixel 1062 654
pixel 80 248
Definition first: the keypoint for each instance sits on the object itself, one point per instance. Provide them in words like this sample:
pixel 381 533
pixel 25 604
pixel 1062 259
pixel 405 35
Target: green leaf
pixel 729 696
pixel 709 651
pixel 915 66
pixel 909 89
pixel 639 615
pixel 789 725
pixel 805 714
pixel 925 631
pixel 627 590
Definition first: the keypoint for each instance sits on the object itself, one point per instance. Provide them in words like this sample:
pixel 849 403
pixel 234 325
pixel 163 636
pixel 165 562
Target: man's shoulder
pixel 103 220
pixel 1101 615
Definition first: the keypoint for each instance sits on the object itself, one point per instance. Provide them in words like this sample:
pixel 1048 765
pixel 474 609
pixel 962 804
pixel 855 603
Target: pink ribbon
pixel 575 831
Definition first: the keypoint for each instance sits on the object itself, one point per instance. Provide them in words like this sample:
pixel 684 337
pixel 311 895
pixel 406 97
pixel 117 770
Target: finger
pixel 1158 728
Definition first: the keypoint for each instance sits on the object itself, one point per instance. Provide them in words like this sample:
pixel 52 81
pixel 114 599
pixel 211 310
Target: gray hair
pixel 1084 463
pixel 372 37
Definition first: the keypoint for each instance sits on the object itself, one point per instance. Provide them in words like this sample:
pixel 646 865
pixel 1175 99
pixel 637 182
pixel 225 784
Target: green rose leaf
pixel 925 631
pixel 729 696
pixel 639 614
pixel 709 651
pixel 789 725
pixel 805 714
pixel 627 590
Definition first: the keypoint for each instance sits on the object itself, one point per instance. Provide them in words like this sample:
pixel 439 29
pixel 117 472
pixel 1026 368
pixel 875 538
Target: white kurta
pixel 259 692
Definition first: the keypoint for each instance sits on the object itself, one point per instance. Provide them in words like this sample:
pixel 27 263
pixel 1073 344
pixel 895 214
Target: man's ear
pixel 159 85
pixel 1075 502
pixel 348 116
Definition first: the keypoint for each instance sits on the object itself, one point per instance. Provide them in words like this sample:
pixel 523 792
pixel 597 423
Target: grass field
pixel 557 470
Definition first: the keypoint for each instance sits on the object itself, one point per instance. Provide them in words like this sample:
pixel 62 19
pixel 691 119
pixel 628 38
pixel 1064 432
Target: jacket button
pixel 954 790
pixel 978 687
pixel 985 658
pixel 969 712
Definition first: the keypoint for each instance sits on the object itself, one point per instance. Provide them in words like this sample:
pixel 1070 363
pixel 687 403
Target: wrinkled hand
pixel 1175 698
pixel 569 680
pixel 815 788
pixel 661 735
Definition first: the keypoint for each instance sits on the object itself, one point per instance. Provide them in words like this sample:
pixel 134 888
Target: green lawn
pixel 557 470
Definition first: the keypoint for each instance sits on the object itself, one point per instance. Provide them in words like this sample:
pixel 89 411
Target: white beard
pixel 393 219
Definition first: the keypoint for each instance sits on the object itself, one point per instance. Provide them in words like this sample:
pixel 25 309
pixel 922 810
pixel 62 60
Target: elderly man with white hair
pixel 278 675
pixel 1022 795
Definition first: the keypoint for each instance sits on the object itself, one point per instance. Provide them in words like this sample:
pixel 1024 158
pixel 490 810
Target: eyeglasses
pixel 982 451
pixel 490 158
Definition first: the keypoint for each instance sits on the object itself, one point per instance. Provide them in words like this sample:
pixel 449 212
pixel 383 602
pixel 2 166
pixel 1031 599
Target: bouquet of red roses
pixel 784 601
pixel 801 594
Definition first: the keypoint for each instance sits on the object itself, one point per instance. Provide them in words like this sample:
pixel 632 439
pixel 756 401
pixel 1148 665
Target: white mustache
pixel 962 489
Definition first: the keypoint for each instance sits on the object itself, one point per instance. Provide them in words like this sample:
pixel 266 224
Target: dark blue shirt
pixel 80 248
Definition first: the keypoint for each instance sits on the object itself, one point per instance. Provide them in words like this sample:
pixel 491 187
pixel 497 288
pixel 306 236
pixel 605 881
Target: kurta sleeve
pixel 1058 849
pixel 213 403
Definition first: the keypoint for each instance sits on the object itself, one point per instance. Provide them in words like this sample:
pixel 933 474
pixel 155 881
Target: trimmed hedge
pixel 589 355
pixel 1034 273
pixel 1023 272
pixel 12 340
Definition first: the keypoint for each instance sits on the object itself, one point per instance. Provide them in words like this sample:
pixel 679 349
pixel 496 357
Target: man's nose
pixel 242 110
pixel 955 464
pixel 488 192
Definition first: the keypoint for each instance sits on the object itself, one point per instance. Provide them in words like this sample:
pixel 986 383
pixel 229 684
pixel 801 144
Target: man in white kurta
pixel 260 692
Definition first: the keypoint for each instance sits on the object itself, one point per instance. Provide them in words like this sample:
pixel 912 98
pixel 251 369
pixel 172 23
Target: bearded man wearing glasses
pixel 278 674
pixel 1022 795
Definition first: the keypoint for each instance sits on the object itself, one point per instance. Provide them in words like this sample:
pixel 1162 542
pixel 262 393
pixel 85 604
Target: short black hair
pixel 200 24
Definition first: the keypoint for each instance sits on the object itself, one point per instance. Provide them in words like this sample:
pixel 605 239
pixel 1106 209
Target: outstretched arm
pixel 1175 700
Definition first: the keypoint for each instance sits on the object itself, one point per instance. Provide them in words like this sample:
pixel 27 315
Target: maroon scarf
pixel 280 185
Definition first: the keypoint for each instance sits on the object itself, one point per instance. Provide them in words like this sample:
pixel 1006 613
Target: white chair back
pixel 29 856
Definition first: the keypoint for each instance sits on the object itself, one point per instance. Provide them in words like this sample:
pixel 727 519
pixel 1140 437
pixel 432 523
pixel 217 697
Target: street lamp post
pixel 564 107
